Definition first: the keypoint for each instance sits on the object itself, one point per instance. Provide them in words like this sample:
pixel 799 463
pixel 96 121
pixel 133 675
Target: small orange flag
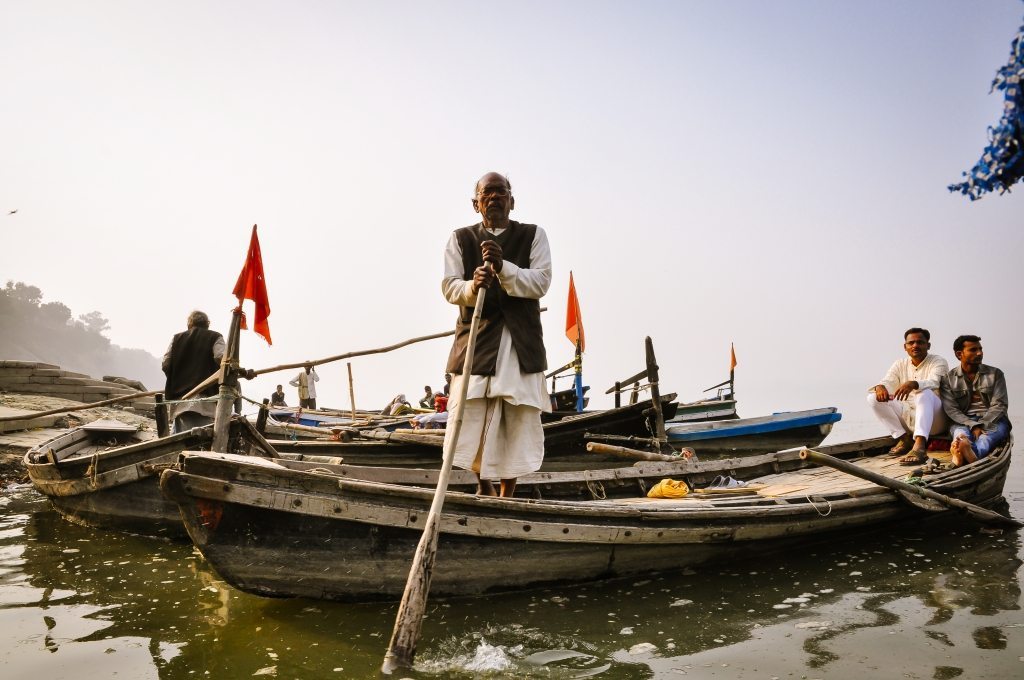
pixel 252 286
pixel 732 357
pixel 573 318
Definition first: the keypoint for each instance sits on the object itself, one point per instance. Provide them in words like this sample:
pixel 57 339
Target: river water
pixel 906 602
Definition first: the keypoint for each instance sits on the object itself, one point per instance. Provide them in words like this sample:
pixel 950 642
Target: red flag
pixel 732 357
pixel 573 318
pixel 252 286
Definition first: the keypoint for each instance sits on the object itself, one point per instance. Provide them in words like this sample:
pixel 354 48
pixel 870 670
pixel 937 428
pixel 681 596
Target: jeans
pixel 988 440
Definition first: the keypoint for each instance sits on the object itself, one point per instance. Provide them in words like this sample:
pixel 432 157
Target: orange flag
pixel 252 286
pixel 573 318
pixel 732 356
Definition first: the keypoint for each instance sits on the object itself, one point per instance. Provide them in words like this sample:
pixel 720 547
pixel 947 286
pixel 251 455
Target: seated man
pixel 974 398
pixel 277 398
pixel 907 401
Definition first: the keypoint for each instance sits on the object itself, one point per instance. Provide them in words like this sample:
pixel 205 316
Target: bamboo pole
pixel 634 454
pixel 228 383
pixel 409 620
pixel 351 390
pixel 401 437
pixel 977 512
pixel 81 407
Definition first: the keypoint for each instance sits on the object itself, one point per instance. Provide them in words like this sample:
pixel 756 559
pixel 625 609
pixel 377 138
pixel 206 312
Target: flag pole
pixel 228 385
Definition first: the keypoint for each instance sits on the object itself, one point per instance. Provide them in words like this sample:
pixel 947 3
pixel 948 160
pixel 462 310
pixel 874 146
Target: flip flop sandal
pixel 919 457
pixel 899 448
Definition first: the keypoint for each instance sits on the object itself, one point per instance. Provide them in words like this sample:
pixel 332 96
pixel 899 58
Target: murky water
pixel 911 602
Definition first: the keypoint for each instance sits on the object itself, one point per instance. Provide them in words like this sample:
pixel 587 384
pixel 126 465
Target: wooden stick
pixel 634 454
pixel 409 620
pixel 81 407
pixel 250 431
pixel 365 352
pixel 228 383
pixel 163 427
pixel 351 391
pixel 977 512
pixel 401 437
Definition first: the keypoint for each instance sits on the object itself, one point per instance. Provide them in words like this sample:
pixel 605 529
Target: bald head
pixel 493 200
pixel 491 178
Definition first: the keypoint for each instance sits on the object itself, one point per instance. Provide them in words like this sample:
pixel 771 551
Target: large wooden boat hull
pixel 284 533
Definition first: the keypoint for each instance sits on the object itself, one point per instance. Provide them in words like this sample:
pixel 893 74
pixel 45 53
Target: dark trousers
pixel 308 403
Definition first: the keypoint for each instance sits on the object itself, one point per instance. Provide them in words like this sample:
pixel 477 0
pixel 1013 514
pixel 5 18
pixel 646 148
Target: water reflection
pixel 910 601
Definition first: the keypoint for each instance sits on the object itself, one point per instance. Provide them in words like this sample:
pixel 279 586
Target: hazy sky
pixel 772 174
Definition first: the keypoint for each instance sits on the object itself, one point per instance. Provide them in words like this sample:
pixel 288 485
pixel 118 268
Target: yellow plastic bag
pixel 668 488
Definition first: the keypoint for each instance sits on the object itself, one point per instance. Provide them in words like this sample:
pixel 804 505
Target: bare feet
pixel 960 452
pixel 485 487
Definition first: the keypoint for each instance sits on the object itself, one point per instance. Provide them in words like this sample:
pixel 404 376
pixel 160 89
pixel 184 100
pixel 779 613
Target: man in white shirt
pixel 907 400
pixel 501 436
pixel 306 382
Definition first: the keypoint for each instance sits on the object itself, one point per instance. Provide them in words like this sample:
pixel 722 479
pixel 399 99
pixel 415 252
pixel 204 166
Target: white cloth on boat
pixel 921 414
pixel 511 442
pixel 928 375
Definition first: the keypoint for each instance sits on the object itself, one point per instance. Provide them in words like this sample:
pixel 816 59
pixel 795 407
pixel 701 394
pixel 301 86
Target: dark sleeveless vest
pixel 520 315
pixel 191 363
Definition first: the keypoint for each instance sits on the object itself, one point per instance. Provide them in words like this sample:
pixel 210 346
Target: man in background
pixel 277 398
pixel 306 382
pixel 193 355
pixel 974 397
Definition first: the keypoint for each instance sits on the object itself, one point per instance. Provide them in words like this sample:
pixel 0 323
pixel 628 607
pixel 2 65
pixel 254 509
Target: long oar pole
pixel 409 621
pixel 977 512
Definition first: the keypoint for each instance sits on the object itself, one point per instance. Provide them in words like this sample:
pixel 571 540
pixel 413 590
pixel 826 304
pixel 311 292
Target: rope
pixel 820 513
pixel 596 490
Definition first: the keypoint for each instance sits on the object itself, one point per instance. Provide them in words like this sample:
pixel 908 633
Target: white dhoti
pixel 921 414
pixel 501 436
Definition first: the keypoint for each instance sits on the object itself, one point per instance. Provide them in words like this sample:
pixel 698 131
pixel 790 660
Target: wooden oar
pixel 409 621
pixel 977 512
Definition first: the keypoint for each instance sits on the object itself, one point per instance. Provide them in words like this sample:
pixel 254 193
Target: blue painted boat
pixel 755 435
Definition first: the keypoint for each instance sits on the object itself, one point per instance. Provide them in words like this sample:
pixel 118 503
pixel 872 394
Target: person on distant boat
pixel 306 381
pixel 447 384
pixel 907 400
pixel 397 406
pixel 193 356
pixel 501 436
pixel 277 398
pixel 437 419
pixel 427 400
pixel 974 397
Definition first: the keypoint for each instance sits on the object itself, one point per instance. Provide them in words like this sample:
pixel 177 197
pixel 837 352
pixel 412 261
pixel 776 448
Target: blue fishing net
pixel 1002 162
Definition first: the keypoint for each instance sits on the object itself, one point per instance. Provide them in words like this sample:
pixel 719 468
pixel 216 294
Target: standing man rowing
pixel 501 435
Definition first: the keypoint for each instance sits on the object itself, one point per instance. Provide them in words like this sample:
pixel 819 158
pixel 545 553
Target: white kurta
pixel 501 434
pixel 928 374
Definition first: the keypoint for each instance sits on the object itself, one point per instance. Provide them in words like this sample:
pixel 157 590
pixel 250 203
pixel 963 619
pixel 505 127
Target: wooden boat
pixel 280 532
pixel 564 440
pixel 105 474
pixel 743 436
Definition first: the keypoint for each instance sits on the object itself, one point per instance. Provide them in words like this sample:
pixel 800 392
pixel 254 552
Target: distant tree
pixel 94 322
pixel 23 293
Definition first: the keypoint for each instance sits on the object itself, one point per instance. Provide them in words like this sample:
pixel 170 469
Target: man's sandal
pixel 900 447
pixel 915 457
